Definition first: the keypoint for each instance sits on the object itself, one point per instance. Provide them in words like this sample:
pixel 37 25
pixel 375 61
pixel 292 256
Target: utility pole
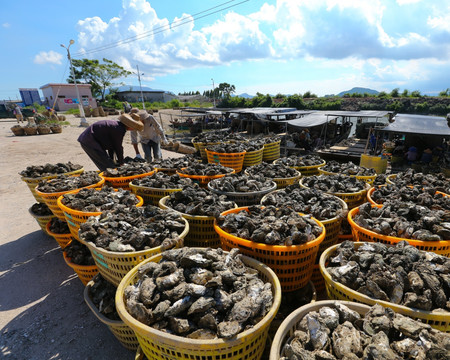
pixel 140 86
pixel 214 93
pixel 83 121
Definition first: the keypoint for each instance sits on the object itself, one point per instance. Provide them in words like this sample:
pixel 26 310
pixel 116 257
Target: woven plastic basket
pixel 84 272
pixel 120 330
pixel 338 291
pixel 271 151
pixel 123 181
pixel 231 160
pixel 42 220
pixel 151 196
pixel 201 229
pixel 202 146
pixel 306 170
pixel 75 218
pixel 202 180
pixel 244 198
pixel 360 234
pixel 33 182
pixel 62 239
pixel 368 179
pixel 113 265
pixel 390 179
pixel 158 345
pixel 283 182
pixel 292 264
pixel 253 157
pixel 292 323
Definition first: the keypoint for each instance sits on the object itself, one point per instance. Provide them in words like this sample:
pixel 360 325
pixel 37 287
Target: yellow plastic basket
pixel 150 195
pixel 271 151
pixel 283 182
pixel 361 234
pixel 253 157
pixel 123 181
pixel 75 218
pixel 85 272
pixel 231 160
pixel 368 179
pixel 292 323
pixel 306 170
pixel 158 345
pixel 201 229
pixel 114 265
pixel 120 330
pixel 33 182
pixel 42 220
pixel 202 180
pixel 51 199
pixel 292 264
pixel 338 291
pixel 62 239
pixel 202 146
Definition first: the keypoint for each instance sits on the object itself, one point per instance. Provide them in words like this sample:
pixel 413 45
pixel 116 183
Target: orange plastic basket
pixel 292 264
pixel 253 157
pixel 306 170
pixel 158 345
pixel 338 291
pixel 271 151
pixel 62 239
pixel 202 146
pixel 361 234
pixel 231 160
pixel 75 218
pixel 201 229
pixel 51 199
pixel 120 330
pixel 84 272
pixel 151 195
pixel 42 220
pixel 33 182
pixel 114 265
pixel 202 180
pixel 368 178
pixel 123 181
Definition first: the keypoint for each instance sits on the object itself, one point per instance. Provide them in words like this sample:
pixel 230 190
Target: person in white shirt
pixel 150 138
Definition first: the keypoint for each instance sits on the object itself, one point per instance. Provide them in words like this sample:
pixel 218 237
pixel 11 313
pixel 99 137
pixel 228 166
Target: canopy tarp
pixel 309 120
pixel 364 114
pixel 419 124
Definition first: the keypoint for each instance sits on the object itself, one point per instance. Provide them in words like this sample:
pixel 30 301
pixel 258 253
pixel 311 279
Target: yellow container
pixel 231 160
pixel 42 220
pixel 374 162
pixel 85 272
pixel 123 181
pixel 271 151
pixel 151 196
pixel 62 239
pixel 253 157
pixel 306 170
pixel 158 345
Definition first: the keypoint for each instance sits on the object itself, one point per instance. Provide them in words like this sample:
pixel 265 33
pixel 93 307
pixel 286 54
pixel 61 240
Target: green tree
pixel 226 89
pixel 445 92
pixel 405 93
pixel 99 75
pixel 395 93
pixel 416 93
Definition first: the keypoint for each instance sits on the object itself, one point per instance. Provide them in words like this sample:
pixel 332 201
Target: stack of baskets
pixel 62 239
pixel 253 157
pixel 271 151
pixel 231 160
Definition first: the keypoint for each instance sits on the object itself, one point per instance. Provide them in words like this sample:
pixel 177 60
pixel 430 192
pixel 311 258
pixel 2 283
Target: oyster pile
pixel 309 201
pixel 337 332
pixel 174 163
pixel 400 274
pixel 133 229
pixel 193 200
pixel 437 182
pixel 58 226
pixel 348 168
pixel 209 137
pixel 91 200
pixel 227 148
pixel 161 180
pixel 300 161
pixel 129 169
pixel 380 179
pixel 205 170
pixel 272 171
pixel 67 183
pixel 271 226
pixel 415 194
pixel 35 171
pixel 199 294
pixel 241 183
pixel 41 209
pixel 334 183
pixel 405 220
pixel 79 254
pixel 102 294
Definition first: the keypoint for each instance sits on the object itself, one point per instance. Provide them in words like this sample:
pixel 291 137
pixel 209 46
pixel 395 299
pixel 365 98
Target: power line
pixel 163 28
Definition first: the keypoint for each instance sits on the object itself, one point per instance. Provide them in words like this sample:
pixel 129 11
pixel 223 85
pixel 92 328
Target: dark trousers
pixel 99 157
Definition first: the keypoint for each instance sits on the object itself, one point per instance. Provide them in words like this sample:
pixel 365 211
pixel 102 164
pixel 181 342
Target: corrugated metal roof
pixel 419 124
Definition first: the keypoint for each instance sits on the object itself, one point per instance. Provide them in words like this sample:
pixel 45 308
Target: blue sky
pixel 266 46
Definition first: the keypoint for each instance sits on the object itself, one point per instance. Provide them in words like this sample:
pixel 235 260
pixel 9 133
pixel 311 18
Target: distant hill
pixel 246 96
pixel 358 90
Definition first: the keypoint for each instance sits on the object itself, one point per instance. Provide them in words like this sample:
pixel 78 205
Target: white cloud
pixel 407 2
pixel 440 22
pixel 6 25
pixel 48 57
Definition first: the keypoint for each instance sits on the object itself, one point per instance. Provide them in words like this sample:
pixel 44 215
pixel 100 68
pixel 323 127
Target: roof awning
pixel 419 124
pixel 309 120
pixel 365 113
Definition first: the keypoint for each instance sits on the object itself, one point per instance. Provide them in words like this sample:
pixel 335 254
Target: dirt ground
pixel 42 310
